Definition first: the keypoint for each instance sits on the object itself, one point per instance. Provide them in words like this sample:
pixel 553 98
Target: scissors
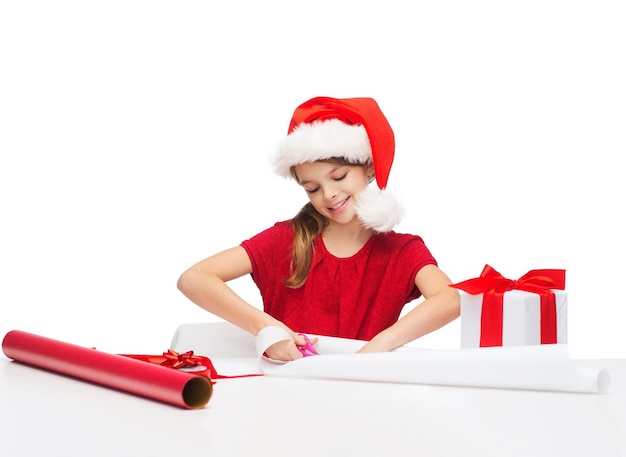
pixel 306 349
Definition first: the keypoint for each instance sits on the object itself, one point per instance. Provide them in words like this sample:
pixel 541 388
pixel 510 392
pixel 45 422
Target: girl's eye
pixel 341 177
pixel 312 191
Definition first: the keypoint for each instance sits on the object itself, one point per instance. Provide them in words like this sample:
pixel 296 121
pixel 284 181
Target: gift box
pixel 496 311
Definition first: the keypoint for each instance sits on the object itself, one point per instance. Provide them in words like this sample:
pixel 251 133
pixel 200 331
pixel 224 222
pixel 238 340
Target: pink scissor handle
pixel 306 349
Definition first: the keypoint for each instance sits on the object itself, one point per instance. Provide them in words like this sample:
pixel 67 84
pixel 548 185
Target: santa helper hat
pixel 354 129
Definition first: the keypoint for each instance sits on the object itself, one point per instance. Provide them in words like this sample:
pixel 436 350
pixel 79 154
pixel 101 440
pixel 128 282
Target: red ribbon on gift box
pixel 493 287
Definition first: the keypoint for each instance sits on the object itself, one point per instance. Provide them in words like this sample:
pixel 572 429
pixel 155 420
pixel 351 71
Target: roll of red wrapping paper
pixel 116 371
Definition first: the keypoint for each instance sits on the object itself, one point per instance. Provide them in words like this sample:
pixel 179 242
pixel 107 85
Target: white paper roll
pixel 538 367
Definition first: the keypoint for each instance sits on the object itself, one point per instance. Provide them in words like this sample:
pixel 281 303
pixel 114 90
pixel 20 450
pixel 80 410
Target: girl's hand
pixel 374 346
pixel 284 351
pixel 287 350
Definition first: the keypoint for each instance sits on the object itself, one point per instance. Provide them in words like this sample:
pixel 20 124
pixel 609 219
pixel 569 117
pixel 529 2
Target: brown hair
pixel 307 225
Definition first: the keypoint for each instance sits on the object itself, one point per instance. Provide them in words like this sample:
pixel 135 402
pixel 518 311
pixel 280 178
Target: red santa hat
pixel 351 128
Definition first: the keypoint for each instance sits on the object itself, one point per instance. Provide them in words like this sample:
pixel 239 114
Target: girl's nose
pixel 330 192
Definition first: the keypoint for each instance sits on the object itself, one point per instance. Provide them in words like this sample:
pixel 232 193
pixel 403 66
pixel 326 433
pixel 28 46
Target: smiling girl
pixel 337 268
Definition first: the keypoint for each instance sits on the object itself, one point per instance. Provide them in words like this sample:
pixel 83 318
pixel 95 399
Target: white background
pixel 135 139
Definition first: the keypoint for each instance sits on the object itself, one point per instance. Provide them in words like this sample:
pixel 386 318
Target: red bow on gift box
pixel 493 287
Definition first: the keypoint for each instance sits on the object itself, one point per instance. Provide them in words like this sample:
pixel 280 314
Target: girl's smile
pixel 339 206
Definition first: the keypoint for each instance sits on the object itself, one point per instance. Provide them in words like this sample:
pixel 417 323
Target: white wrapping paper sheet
pixel 536 367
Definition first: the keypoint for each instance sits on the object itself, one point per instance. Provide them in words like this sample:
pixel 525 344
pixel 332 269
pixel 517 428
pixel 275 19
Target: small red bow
pixel 175 360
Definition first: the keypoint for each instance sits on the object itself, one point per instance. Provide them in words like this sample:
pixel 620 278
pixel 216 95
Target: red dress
pixel 355 297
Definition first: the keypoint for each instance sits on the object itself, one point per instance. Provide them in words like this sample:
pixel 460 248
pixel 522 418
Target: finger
pixel 299 340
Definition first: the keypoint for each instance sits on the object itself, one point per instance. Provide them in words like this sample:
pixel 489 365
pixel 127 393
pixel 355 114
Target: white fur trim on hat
pixel 378 210
pixel 321 140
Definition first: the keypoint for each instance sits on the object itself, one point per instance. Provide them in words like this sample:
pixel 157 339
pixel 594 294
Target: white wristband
pixel 268 336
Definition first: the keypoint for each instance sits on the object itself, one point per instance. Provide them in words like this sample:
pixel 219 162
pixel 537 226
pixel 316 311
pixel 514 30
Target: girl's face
pixel 332 188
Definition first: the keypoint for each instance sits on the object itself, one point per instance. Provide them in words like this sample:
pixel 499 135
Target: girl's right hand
pixel 287 350
pixel 284 351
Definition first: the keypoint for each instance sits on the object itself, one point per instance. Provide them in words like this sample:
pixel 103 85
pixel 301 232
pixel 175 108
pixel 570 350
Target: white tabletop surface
pixel 46 414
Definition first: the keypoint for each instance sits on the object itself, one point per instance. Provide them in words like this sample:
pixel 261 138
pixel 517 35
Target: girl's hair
pixel 307 225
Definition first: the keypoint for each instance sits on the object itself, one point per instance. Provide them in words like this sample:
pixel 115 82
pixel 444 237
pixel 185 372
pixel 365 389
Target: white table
pixel 46 414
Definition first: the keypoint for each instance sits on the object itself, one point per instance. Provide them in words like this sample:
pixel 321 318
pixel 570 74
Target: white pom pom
pixel 378 210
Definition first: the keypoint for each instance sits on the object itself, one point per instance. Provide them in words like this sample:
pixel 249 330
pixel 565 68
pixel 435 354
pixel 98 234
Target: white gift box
pixel 521 318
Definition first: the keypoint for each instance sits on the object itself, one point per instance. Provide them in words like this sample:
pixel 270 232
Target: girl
pixel 337 268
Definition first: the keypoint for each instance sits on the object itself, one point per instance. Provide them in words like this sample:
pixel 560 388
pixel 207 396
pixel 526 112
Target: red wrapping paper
pixel 116 371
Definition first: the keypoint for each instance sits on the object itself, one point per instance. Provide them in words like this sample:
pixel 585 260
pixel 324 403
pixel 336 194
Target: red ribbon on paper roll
pixel 187 361
pixel 493 287
pixel 112 370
